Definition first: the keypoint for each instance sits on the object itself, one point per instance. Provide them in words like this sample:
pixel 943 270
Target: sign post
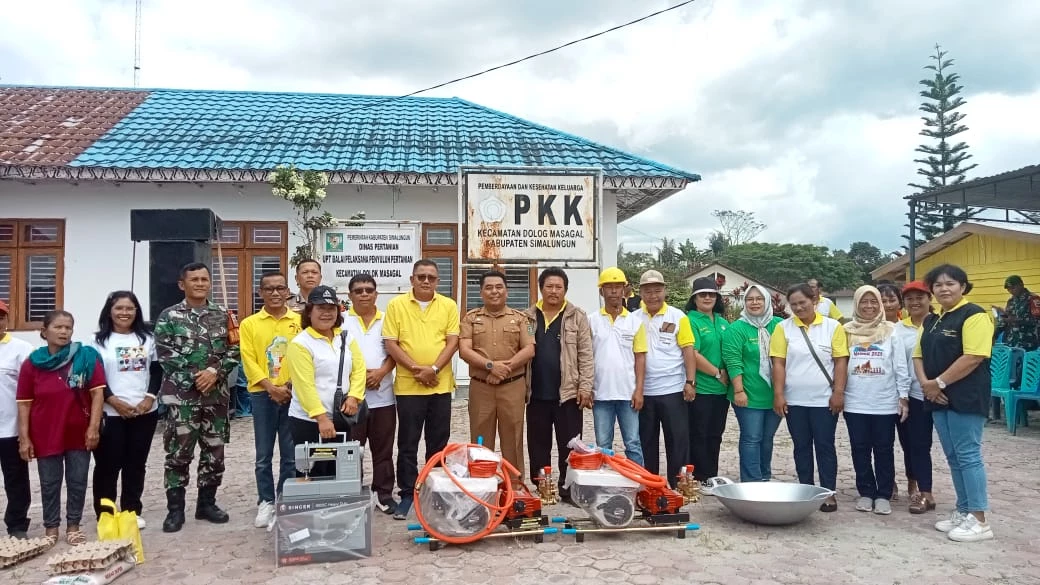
pixel 384 249
pixel 523 216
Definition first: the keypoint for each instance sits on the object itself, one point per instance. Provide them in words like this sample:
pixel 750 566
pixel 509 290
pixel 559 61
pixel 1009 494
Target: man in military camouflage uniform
pixel 196 358
pixel 308 276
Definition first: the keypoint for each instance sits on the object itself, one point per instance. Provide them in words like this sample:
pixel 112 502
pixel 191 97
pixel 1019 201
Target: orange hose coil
pixel 626 467
pixel 498 511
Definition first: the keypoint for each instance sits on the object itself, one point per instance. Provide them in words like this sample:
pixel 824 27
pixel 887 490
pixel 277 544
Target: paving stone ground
pixel 843 547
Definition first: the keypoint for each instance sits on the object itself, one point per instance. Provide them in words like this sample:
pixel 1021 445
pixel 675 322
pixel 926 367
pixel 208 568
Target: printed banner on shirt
pixel 387 252
pixel 529 217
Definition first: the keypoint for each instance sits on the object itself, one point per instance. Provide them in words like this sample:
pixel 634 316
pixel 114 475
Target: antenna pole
pixel 137 44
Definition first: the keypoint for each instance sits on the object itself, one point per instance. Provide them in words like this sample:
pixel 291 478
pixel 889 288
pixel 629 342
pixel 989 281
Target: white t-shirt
pixel 804 383
pixel 614 360
pixel 877 377
pixel 374 350
pixel 665 367
pixel 127 361
pixel 908 335
pixel 13 352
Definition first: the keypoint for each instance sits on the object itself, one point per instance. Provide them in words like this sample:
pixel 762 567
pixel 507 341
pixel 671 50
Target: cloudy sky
pixel 803 111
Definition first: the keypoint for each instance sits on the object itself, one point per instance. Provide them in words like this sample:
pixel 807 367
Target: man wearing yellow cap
pixel 619 356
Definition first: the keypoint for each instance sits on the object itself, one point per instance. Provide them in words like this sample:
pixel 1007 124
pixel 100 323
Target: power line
pixel 243 137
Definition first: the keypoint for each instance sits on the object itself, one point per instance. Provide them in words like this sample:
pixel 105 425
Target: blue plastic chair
pixel 1029 390
pixel 1000 364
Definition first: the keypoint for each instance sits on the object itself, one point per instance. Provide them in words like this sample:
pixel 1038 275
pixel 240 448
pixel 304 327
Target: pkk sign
pixel 385 252
pixel 531 217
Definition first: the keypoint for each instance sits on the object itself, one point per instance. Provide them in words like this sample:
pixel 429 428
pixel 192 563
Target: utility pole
pixel 137 44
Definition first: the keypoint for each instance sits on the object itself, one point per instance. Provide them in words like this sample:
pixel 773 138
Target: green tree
pixel 782 265
pixel 866 257
pixel 717 244
pixel 944 161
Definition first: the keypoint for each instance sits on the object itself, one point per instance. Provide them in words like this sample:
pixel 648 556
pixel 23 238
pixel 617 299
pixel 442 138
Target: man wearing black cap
pixel 1020 319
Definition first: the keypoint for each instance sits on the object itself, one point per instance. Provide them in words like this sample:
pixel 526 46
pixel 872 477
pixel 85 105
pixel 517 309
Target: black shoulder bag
pixel 342 422
pixel 830 381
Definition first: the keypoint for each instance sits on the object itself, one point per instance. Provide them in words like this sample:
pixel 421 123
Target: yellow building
pixel 989 254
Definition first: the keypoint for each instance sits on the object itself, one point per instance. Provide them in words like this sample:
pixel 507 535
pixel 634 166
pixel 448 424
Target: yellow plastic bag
pixel 116 525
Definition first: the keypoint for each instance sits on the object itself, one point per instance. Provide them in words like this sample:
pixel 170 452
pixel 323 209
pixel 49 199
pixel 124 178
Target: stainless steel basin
pixel 772 503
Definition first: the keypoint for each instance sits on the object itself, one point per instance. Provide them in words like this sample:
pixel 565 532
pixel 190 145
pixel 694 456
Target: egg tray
pixel 17 550
pixel 92 556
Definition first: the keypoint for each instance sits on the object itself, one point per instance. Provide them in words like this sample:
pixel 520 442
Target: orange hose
pixel 626 467
pixel 497 511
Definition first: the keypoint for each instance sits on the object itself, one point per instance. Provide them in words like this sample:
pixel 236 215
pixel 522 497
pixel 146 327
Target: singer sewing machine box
pixel 325 516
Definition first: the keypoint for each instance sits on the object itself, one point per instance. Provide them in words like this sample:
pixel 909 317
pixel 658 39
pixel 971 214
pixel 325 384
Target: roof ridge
pixel 585 141
pixel 224 91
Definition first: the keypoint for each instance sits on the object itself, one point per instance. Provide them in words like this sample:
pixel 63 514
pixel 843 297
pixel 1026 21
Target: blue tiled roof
pixel 187 129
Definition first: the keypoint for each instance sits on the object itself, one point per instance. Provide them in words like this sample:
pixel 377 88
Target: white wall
pixel 98 250
pixel 734 279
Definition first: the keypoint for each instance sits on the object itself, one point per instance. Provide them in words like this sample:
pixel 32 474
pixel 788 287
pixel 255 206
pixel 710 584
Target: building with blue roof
pixel 74 161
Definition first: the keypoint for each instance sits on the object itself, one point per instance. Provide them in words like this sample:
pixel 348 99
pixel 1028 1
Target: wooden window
pixel 32 269
pixel 440 244
pixel 250 249
pixel 521 287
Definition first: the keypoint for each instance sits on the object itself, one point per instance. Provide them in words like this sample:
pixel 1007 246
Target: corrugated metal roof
pixel 52 126
pixel 194 129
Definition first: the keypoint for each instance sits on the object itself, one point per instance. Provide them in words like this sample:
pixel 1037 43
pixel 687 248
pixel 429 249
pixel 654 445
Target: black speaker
pixel 158 225
pixel 165 260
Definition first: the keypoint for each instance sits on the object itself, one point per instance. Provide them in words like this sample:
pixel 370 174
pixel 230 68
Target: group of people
pixel 314 368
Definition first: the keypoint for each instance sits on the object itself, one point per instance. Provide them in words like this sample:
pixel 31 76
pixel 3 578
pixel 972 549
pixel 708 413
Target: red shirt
pixel 60 415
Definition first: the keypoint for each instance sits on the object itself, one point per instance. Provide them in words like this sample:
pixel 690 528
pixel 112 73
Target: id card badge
pixel 667 327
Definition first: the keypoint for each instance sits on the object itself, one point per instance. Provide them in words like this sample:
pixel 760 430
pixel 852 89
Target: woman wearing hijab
pixel 707 414
pixel 875 399
pixel 745 351
pixel 60 398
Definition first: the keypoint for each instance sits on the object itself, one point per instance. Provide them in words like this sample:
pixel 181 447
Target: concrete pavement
pixel 843 547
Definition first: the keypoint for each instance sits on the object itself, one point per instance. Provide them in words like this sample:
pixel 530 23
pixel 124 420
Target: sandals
pixel 829 505
pixel 52 540
pixel 75 537
pixel 919 504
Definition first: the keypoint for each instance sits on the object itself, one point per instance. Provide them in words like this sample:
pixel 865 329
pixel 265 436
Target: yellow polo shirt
pixel 264 341
pixel 976 335
pixel 422 334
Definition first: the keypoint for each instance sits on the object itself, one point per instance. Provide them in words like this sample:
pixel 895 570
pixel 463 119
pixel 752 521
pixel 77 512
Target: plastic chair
pixel 1029 390
pixel 1000 374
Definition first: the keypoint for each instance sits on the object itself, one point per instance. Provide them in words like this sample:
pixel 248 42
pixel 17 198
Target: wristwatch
pixel 719 375
pixel 939 382
pixel 435 369
pixel 691 383
pixel 489 366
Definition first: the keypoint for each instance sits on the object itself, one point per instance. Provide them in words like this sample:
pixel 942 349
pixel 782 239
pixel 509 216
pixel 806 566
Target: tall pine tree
pixel 943 162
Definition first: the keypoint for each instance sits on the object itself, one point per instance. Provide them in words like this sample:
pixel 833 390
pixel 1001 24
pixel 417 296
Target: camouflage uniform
pixel 1022 329
pixel 188 341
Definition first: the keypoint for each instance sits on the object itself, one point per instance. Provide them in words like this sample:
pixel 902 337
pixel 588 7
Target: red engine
pixel 525 505
pixel 658 500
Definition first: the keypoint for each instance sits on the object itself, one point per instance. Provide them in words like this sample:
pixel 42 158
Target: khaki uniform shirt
pixel 498 336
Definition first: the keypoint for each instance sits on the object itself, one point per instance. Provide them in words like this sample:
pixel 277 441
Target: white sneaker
pixel 141 524
pixel 882 506
pixel 264 515
pixel 955 519
pixel 864 504
pixel 971 530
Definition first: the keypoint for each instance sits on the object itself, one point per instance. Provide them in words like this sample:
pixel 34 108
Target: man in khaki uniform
pixel 497 342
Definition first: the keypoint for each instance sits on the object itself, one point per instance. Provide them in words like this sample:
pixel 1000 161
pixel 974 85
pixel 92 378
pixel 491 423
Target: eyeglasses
pixel 363 290
pixel 275 289
pixel 425 277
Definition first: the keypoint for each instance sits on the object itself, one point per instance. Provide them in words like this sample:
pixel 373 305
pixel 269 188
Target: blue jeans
pixel 757 427
pixel 242 401
pixel 73 466
pixel 604 412
pixel 270 422
pixel 812 430
pixel 961 438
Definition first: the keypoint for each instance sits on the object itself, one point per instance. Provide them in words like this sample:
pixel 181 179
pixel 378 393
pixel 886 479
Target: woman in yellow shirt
pixel 314 359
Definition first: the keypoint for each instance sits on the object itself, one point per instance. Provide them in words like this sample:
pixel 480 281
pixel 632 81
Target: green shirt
pixel 707 334
pixel 740 352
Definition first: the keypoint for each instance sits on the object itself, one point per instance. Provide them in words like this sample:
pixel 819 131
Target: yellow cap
pixel 612 275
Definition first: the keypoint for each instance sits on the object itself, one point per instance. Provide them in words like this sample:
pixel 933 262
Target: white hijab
pixel 759 322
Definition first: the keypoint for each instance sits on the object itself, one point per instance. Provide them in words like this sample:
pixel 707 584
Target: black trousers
pixel 123 451
pixel 668 412
pixel 416 416
pixel 16 486
pixel 707 414
pixel 543 416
